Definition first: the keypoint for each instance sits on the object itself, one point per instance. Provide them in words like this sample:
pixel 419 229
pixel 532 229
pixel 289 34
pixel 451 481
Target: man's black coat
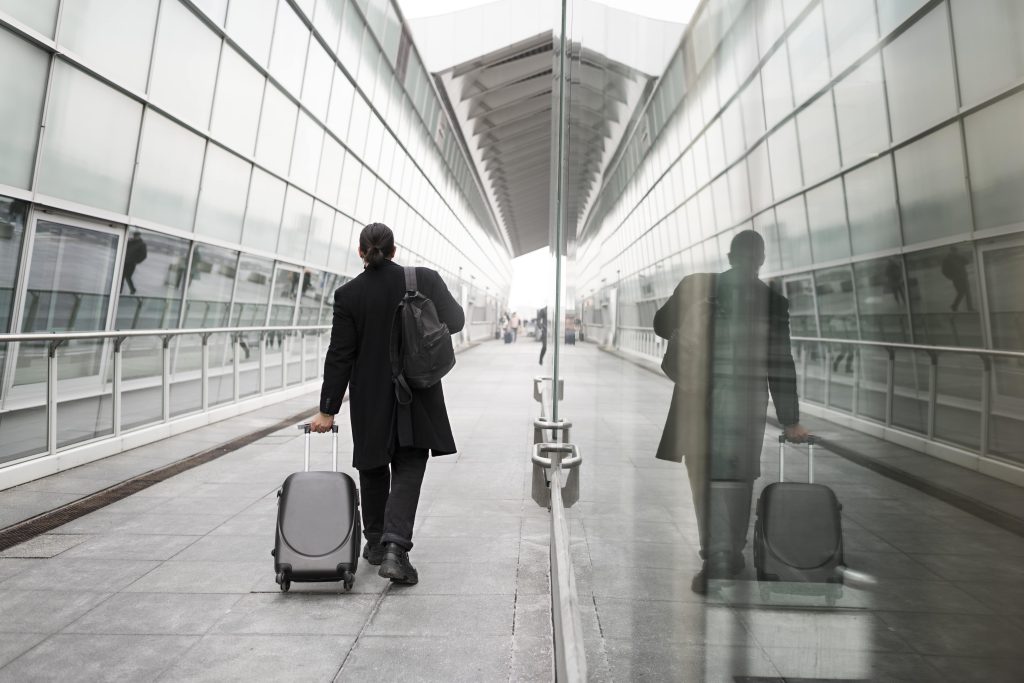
pixel 358 359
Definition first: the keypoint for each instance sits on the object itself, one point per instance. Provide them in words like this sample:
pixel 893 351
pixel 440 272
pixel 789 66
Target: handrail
pixel 924 348
pixel 124 334
pixel 55 340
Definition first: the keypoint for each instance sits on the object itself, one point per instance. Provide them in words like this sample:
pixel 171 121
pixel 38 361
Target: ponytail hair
pixel 377 243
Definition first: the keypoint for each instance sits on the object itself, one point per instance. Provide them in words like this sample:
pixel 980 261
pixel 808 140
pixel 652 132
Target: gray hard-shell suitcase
pixel 318 530
pixel 798 535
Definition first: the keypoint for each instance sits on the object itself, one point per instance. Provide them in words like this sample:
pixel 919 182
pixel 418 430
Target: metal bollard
pixel 542 467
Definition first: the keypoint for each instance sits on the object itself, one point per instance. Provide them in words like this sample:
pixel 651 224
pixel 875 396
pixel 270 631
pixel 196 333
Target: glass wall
pixel 215 170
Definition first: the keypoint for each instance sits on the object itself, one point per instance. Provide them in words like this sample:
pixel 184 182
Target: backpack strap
pixel 410 278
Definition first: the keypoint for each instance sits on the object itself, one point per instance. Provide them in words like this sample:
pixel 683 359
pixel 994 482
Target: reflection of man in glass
pixel 894 279
pixel 730 334
pixel 134 253
pixel 954 268
pixel 542 332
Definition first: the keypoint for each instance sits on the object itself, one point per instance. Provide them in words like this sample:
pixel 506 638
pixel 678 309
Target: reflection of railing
pixel 986 356
pixel 56 340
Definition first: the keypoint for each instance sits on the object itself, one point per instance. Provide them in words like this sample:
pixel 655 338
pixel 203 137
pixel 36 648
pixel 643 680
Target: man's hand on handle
pixel 321 422
pixel 796 433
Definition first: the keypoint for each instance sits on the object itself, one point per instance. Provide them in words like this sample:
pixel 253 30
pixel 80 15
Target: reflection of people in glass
pixel 954 268
pixel 730 334
pixel 134 253
pixel 894 279
pixel 542 332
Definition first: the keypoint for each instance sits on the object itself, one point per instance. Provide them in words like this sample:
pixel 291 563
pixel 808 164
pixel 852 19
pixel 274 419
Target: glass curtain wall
pixel 873 149
pixel 204 148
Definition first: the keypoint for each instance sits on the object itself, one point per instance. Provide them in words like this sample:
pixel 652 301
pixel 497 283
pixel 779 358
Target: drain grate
pixel 48 521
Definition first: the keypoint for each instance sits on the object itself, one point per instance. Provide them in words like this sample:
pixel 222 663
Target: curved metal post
pixel 51 395
pixel 263 362
pixel 236 361
pixel 205 372
pixel 933 391
pixel 115 395
pixel 165 379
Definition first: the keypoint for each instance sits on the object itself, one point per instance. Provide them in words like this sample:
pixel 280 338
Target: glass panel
pixel 826 214
pixel 803 321
pixel 958 399
pixel 152 281
pixel 989 50
pixel 12 233
pixel 861 112
pixel 778 93
pixel 1004 275
pixel 40 15
pixel 331 161
pixel 327 20
pixel 919 75
pixel 236 105
pixel 88 152
pixel 995 155
pixel 263 215
pixel 943 288
pixel 851 30
pixel 252 24
pixel 342 94
pixel 819 146
pixel 794 245
pixel 298 210
pixel 288 53
pixel 23 74
pixel 342 252
pixel 252 292
pixel 309 138
pixel 872 383
pixel 350 44
pixel 882 300
pixel 808 56
pixel 286 290
pixel 184 65
pixel 318 246
pixel 316 89
pixel 837 310
pixel 64 298
pixel 785 160
pixel 167 178
pixel 760 177
pixel 210 283
pixel 910 401
pixel 1006 428
pixel 277 131
pixel 113 36
pixel 871 205
pixel 223 195
pixel 933 194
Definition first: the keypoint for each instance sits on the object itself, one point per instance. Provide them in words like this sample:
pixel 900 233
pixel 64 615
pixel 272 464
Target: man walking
pixel 730 333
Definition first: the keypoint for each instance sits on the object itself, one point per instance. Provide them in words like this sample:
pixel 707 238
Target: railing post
pixel 236 361
pixel 890 385
pixel 986 405
pixel 51 396
pixel 828 376
pixel 165 380
pixel 933 391
pixel 803 369
pixel 115 395
pixel 205 372
pixel 302 357
pixel 855 399
pixel 263 362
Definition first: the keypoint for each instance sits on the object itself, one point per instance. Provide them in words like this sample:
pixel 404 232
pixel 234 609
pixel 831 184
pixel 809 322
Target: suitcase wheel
pixel 349 580
pixel 283 582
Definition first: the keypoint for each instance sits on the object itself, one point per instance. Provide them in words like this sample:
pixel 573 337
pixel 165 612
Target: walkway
pixel 176 582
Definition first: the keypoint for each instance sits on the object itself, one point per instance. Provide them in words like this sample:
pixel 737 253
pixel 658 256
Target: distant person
pixel 730 334
pixel 390 441
pixel 542 332
pixel 954 269
pixel 513 325
pixel 135 252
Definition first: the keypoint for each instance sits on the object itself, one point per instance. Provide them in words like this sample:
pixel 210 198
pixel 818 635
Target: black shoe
pixel 699 584
pixel 373 553
pixel 396 565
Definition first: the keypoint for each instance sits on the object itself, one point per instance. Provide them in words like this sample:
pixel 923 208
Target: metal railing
pixel 54 340
pixel 986 356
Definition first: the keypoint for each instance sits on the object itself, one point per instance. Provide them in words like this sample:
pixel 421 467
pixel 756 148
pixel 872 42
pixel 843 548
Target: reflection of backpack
pixel 421 345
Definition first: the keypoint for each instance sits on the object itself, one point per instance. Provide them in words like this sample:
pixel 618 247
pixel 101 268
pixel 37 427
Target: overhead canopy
pixel 504 103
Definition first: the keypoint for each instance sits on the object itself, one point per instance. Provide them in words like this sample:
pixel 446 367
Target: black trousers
pixel 390 494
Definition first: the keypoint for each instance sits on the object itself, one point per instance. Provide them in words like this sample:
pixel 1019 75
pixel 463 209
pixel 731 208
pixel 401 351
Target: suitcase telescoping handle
pixel 811 440
pixel 307 429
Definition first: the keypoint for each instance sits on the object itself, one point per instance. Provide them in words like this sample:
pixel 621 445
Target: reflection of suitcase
pixel 570 337
pixel 318 530
pixel 508 337
pixel 798 536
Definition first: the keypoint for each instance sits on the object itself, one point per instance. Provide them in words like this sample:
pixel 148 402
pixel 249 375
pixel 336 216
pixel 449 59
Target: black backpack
pixel 421 345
